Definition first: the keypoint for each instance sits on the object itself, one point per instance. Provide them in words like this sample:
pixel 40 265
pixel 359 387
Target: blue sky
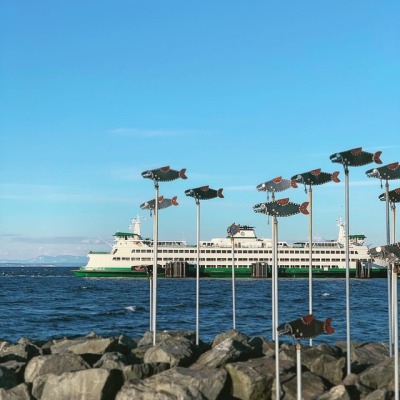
pixel 95 92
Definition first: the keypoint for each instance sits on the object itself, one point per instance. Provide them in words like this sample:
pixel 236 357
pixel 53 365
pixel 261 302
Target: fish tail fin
pixel 174 201
pixel 303 208
pixel 327 326
pixel 376 157
pixel 182 173
pixel 335 177
pixel 219 193
pixel 293 184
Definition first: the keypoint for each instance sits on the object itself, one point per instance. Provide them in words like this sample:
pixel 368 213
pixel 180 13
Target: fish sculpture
pixel 281 208
pixel 356 157
pixel 394 196
pixel 204 193
pixel 162 203
pixel 276 185
pixel 164 174
pixel 233 230
pixel 390 171
pixel 316 177
pixel 306 327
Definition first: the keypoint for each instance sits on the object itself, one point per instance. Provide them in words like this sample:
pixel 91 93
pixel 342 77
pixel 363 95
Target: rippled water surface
pixel 50 302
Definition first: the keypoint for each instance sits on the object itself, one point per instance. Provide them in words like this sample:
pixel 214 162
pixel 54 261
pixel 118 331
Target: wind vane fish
pixel 164 174
pixel 162 203
pixel 204 193
pixel 316 177
pixel 281 208
pixel 390 171
pixel 394 196
pixel 306 327
pixel 233 230
pixel 356 157
pixel 276 185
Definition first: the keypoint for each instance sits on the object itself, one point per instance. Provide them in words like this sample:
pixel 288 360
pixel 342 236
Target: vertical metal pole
pixel 155 260
pixel 347 253
pixel 151 302
pixel 198 273
pixel 275 250
pixel 273 272
pixel 310 287
pixel 298 365
pixel 233 285
pixel 389 273
pixel 394 221
pixel 396 331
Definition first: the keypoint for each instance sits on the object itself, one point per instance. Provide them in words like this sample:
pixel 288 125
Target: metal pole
pixel 275 250
pixel 233 285
pixel 198 273
pixel 394 221
pixel 389 273
pixel 273 273
pixel 346 172
pixel 155 257
pixel 310 287
pixel 151 302
pixel 396 331
pixel 298 365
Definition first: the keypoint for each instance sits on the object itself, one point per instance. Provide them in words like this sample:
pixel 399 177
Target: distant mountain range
pixel 50 260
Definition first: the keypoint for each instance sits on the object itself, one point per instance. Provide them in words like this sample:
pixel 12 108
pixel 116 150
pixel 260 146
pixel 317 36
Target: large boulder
pixel 20 392
pixel 90 384
pixel 380 376
pixel 177 383
pixel 22 351
pixel 312 386
pixel 8 378
pixel 55 364
pixel 338 392
pixel 143 371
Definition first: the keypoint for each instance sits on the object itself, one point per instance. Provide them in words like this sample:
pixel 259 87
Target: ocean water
pixel 43 303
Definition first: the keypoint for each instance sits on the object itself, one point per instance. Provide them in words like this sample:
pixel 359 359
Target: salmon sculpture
pixel 276 185
pixel 306 327
pixel 316 177
pixel 281 208
pixel 394 196
pixel 164 174
pixel 162 203
pixel 204 193
pixel 387 172
pixel 356 157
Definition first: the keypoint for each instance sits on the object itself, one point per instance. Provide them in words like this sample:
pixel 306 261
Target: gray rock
pixel 90 384
pixel 23 351
pixel 177 383
pixel 55 364
pixel 366 354
pixel 380 376
pixel 112 360
pixel 336 393
pixel 312 386
pixel 20 392
pixel 223 353
pixel 380 394
pixel 147 338
pixel 252 379
pixel 143 371
pixel 17 367
pixel 174 351
pixel 86 345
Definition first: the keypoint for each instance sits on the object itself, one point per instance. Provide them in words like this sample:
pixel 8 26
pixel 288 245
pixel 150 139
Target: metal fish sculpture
pixel 233 230
pixel 394 196
pixel 306 327
pixel 281 208
pixel 276 185
pixel 316 177
pixel 356 157
pixel 204 193
pixel 390 171
pixel 162 203
pixel 164 174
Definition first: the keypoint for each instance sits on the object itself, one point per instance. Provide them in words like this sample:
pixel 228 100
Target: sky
pixel 93 93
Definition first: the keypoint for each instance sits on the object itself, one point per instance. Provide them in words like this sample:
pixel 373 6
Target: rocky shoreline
pixel 233 366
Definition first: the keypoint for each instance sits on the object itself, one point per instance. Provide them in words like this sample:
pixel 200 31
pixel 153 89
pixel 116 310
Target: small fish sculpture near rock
pixel 306 327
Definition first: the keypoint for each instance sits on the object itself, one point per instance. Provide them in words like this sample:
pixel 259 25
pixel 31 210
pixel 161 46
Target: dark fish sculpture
pixel 394 196
pixel 356 157
pixel 390 171
pixel 276 185
pixel 306 327
pixel 316 177
pixel 164 174
pixel 281 208
pixel 233 230
pixel 204 193
pixel 162 203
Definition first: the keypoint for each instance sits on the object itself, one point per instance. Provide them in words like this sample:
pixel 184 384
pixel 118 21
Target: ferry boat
pixel 132 256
